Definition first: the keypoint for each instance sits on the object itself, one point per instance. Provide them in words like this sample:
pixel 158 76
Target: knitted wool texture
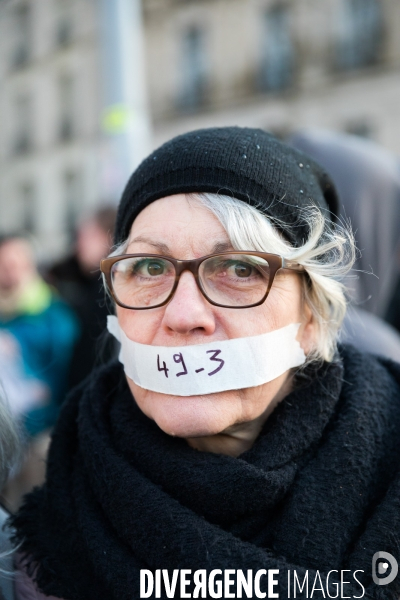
pixel 319 490
pixel 247 164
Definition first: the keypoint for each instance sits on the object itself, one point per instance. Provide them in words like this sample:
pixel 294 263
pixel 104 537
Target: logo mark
pixel 385 559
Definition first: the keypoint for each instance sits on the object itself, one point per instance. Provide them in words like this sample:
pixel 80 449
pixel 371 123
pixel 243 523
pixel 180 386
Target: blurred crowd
pixel 53 318
pixel 51 324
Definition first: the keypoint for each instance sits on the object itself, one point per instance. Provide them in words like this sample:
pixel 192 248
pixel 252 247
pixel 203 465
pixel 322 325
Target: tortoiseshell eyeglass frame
pixel 275 263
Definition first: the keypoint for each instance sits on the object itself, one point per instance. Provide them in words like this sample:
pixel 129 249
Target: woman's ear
pixel 308 330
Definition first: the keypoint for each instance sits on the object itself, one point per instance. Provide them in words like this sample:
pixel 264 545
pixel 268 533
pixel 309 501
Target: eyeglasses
pixel 228 279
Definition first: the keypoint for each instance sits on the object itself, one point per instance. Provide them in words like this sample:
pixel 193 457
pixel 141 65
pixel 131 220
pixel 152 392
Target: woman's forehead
pixel 177 223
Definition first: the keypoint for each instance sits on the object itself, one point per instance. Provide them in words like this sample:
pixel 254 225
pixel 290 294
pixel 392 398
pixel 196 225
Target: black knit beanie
pixel 247 164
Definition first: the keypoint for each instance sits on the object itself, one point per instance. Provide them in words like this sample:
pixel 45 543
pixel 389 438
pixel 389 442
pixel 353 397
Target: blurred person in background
pixel 38 332
pixel 9 456
pixel 393 311
pixel 367 178
pixel 77 279
pixel 22 390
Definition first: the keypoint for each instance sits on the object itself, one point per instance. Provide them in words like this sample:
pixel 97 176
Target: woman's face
pixel 183 229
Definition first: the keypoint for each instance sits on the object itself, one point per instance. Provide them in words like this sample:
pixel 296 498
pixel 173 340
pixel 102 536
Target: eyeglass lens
pixel 230 280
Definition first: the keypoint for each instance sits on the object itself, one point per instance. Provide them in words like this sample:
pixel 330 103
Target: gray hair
pixel 10 440
pixel 327 255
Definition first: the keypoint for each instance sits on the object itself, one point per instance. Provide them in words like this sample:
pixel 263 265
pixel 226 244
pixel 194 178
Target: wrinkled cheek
pixel 139 326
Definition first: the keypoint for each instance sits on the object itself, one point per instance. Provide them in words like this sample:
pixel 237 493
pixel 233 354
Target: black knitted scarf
pixel 319 490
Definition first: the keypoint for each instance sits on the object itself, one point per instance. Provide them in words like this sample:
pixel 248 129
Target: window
pixel 72 192
pixel 28 207
pixel 360 128
pixel 67 108
pixel 193 69
pixel 360 33
pixel 22 36
pixel 23 124
pixel 64 24
pixel 276 72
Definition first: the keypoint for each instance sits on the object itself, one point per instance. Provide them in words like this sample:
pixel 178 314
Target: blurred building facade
pixel 49 76
pixel 275 64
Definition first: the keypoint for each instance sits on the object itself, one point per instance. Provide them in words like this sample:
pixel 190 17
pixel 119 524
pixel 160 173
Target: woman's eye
pixel 243 270
pixel 154 268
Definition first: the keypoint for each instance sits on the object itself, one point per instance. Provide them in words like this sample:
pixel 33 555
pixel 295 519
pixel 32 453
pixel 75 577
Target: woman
pixel 225 271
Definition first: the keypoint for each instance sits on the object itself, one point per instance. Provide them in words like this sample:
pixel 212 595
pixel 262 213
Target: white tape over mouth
pixel 209 368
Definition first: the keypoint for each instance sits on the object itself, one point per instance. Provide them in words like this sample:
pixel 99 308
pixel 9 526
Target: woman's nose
pixel 189 310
